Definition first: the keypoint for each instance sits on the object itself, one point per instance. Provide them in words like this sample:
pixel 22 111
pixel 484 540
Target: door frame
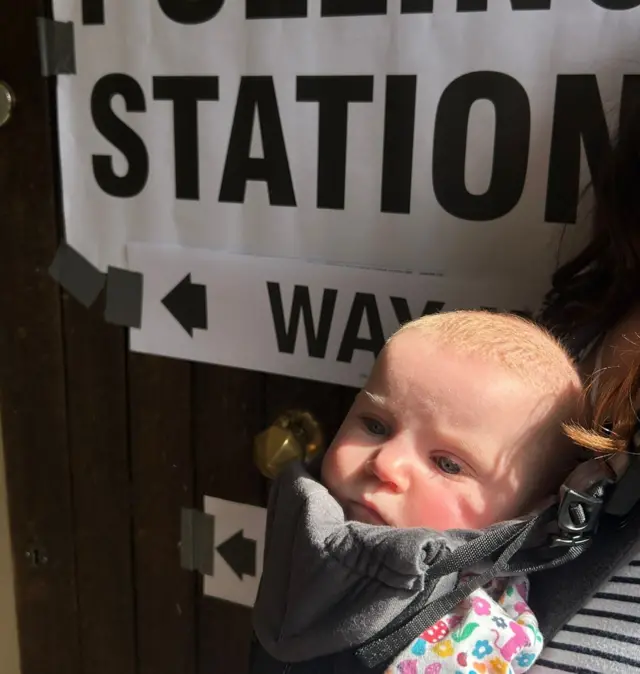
pixel 32 376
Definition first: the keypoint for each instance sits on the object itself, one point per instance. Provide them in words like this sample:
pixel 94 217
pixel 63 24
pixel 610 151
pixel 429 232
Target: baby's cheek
pixel 449 506
pixel 476 510
pixel 338 465
pixel 434 509
pixel 329 471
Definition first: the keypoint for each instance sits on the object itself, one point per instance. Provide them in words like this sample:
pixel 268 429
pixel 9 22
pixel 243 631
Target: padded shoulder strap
pixel 557 594
pixel 329 585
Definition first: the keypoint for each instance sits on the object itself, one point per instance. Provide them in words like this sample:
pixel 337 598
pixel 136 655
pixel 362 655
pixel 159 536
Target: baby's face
pixel 437 440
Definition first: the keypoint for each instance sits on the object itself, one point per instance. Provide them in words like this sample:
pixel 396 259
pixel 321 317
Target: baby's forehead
pixel 425 370
pixel 528 354
pixel 411 354
pixel 424 377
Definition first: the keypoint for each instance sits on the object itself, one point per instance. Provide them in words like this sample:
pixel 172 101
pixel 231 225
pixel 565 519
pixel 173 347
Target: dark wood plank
pixel 327 402
pixel 164 482
pixel 229 412
pixel 31 363
pixel 98 440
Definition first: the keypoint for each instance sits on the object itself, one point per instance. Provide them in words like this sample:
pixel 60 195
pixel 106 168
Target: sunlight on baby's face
pixel 435 439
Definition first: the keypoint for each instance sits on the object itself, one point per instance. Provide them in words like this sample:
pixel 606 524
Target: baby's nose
pixel 390 464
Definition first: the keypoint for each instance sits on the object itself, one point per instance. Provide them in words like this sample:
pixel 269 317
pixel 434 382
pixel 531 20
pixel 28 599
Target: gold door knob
pixel 295 435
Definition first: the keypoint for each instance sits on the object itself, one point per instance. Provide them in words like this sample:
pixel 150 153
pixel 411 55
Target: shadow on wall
pixel 9 659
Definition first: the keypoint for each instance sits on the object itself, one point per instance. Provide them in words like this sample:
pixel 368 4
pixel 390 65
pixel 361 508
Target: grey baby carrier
pixel 338 596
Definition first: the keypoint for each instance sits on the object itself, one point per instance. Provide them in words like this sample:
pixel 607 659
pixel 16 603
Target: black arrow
pixel 240 554
pixel 187 303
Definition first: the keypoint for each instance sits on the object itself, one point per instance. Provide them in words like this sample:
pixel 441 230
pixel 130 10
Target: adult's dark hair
pixel 601 285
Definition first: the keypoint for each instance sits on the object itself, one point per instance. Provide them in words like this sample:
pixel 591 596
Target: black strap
pixel 385 648
pixel 576 521
pixel 480 549
pixel 626 493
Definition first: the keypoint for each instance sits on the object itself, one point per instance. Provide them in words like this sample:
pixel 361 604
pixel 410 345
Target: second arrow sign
pixel 240 554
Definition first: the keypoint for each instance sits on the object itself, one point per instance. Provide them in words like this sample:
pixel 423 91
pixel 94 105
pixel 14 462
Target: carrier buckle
pixel 578 515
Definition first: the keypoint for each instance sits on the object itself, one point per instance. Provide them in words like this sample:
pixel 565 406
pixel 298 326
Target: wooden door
pixel 104 447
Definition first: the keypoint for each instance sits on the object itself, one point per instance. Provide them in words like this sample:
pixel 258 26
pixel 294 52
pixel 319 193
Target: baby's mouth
pixel 360 512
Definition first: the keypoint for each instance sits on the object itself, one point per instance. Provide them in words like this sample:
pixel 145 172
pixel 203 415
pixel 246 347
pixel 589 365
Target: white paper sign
pixel 443 137
pixel 293 317
pixel 238 543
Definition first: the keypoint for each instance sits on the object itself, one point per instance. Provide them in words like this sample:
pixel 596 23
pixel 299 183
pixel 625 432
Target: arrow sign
pixel 238 550
pixel 240 554
pixel 187 303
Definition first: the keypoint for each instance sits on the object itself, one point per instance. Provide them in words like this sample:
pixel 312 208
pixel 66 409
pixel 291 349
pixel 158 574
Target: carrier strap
pixel 575 519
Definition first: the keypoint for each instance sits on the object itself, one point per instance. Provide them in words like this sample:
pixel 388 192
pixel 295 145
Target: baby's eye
pixel 447 465
pixel 374 426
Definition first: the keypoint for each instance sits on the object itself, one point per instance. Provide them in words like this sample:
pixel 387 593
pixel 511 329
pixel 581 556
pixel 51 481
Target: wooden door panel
pixel 163 475
pixel 228 412
pixel 102 489
pixel 326 401
pixel 104 448
pixel 231 408
pixel 31 363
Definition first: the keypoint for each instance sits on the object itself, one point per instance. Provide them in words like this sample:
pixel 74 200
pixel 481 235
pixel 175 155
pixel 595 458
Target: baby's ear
pixel 568 457
pixel 560 462
pixel 541 504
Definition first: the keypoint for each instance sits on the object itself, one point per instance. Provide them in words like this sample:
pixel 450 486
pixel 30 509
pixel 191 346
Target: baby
pixel 459 426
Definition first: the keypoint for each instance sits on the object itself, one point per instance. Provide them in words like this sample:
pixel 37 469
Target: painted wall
pixel 9 658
